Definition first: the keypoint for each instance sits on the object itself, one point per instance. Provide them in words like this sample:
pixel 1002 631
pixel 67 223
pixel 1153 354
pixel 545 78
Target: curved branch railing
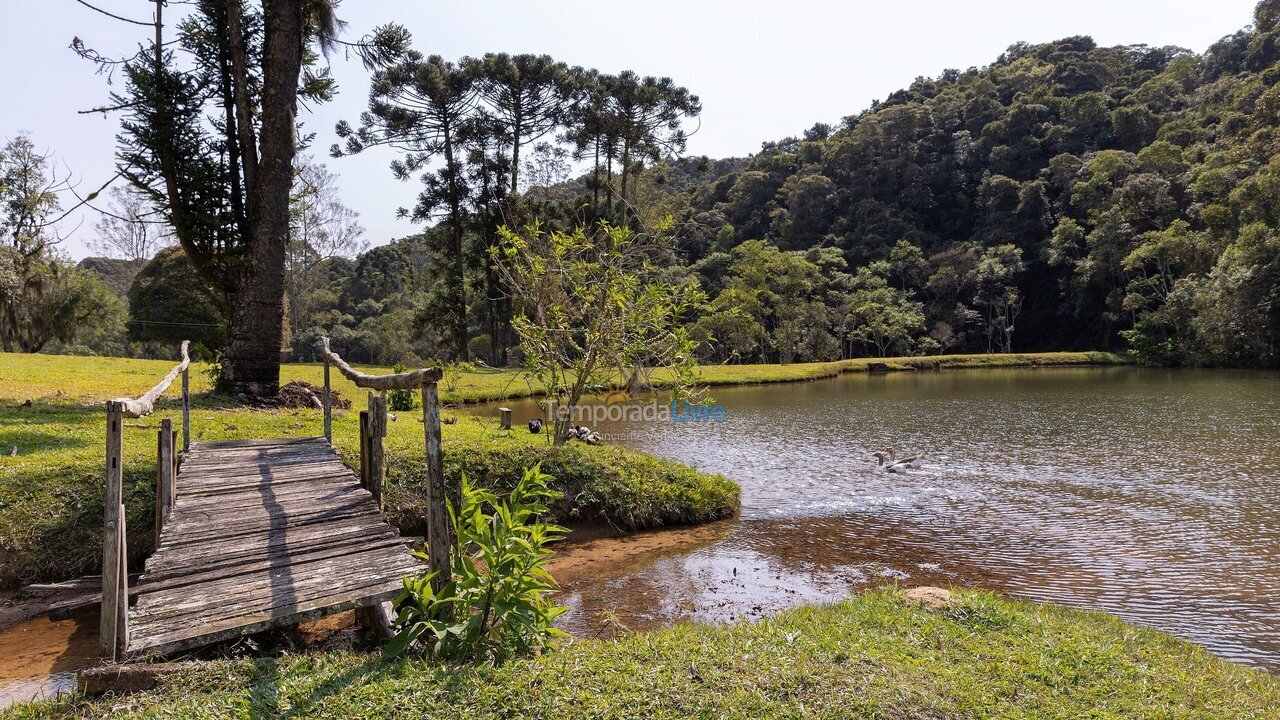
pixel 409 380
pixel 145 404
pixel 373 427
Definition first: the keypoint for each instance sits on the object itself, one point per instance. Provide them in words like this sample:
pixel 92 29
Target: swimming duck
pixel 895 465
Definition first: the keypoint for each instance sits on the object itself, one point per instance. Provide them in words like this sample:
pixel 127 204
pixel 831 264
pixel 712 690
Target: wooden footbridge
pixel 254 534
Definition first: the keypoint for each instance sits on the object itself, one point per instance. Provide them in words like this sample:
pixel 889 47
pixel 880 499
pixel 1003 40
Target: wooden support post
pixel 364 449
pixel 504 413
pixel 164 475
pixel 377 431
pixel 122 595
pixel 438 535
pixel 328 404
pixel 186 411
pixel 173 476
pixel 113 635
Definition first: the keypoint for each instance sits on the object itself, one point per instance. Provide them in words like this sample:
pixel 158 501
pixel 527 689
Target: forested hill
pixel 1065 196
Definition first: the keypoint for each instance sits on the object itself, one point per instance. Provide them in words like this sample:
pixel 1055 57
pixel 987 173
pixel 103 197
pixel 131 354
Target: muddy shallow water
pixel 38 657
pixel 1147 493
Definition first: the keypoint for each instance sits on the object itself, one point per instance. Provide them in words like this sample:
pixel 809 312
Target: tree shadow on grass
pixel 29 441
pixel 267 679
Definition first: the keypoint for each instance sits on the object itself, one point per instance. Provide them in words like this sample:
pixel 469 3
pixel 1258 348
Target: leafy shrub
pixel 451 373
pixel 400 399
pixel 497 611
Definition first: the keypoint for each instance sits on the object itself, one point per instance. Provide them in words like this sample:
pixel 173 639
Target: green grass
pixel 50 493
pixel 94 379
pixel 872 656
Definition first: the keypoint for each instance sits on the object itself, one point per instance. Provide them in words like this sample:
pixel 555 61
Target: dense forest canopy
pixel 1066 196
pixel 1087 197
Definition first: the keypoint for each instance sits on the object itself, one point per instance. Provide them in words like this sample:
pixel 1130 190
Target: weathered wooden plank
pixel 90 598
pixel 257 525
pixel 287 494
pixel 253 461
pixel 197 563
pixel 377 460
pixel 282 581
pixel 328 404
pixel 164 475
pixel 438 540
pixel 215 572
pixel 292 498
pixel 250 461
pixel 215 632
pixel 239 489
pixel 166 556
pixel 234 482
pixel 256 442
pixel 186 409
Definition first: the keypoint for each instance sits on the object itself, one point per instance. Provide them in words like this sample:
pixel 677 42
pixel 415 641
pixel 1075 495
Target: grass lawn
pixel 50 492
pixel 872 656
pixel 50 499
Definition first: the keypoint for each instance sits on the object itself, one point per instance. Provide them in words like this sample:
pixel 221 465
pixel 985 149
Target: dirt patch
pixel 931 598
pixel 301 394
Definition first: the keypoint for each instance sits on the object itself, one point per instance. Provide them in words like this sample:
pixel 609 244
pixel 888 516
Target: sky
pixel 764 70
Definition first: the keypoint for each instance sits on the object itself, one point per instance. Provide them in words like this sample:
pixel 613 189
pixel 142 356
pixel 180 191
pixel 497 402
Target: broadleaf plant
pixel 495 603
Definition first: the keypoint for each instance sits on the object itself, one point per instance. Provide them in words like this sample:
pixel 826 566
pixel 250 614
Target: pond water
pixel 1151 494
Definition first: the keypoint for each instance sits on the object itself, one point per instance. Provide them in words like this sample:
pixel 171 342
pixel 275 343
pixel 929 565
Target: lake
pixel 1148 493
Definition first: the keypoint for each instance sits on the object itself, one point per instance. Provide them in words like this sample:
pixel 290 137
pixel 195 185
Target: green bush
pixel 494 602
pixel 400 400
pixel 600 484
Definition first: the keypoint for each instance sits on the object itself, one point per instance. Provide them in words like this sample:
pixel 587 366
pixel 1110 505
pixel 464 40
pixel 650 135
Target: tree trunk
pixel 251 364
pixel 517 131
pixel 459 262
pixel 244 115
pixel 626 167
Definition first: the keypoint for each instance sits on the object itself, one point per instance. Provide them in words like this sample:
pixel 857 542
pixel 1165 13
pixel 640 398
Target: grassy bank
pixel 872 656
pixel 50 492
pixel 747 374
pixel 91 379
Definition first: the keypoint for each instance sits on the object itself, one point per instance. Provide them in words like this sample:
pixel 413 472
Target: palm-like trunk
pixel 252 361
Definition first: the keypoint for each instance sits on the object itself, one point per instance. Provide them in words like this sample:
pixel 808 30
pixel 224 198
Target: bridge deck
pixel 263 533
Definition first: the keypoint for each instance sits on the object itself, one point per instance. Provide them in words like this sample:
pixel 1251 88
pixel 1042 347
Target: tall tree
pixel 648 115
pixel 42 297
pixel 211 139
pixel 423 106
pixel 528 97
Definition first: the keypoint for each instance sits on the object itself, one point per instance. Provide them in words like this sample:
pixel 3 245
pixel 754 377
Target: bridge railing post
pixel 164 474
pixel 377 431
pixel 328 404
pixel 438 539
pixel 365 452
pixel 186 411
pixel 114 621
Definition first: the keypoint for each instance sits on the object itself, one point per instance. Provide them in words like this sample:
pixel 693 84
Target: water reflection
pixel 1147 493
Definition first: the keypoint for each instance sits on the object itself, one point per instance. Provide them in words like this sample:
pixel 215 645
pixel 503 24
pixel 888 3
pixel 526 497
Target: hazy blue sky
pixel 764 70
